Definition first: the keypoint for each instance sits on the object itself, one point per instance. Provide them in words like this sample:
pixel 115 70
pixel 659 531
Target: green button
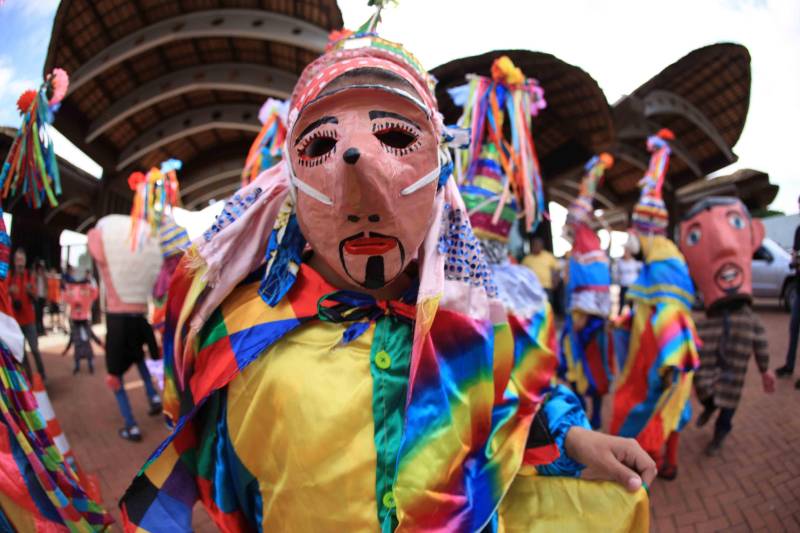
pixel 383 360
pixel 388 500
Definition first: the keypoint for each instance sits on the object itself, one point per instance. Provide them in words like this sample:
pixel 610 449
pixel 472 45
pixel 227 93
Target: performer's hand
pixel 768 381
pixel 610 458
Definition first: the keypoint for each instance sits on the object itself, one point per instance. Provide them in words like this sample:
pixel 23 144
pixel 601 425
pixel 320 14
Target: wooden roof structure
pixel 703 98
pixel 155 79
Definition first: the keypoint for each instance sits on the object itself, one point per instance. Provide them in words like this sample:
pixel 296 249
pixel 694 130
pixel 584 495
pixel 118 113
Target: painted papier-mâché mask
pixel 365 162
pixel 718 238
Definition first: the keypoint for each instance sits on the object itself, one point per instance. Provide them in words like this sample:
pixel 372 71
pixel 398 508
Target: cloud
pixel 11 86
pixel 32 8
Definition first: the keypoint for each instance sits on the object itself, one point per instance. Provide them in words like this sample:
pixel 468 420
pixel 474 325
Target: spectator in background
pixel 54 300
pixel 794 325
pixel 40 294
pixel 68 277
pixel 544 265
pixel 21 290
pixel 626 270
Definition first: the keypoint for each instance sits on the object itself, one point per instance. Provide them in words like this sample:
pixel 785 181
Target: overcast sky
pixel 621 43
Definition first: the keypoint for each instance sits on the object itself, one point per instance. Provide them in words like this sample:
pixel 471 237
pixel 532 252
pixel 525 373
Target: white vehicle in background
pixel 773 276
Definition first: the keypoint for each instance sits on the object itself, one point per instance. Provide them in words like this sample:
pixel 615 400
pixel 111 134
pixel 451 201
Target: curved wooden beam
pixel 77 200
pixel 212 174
pixel 222 23
pixel 224 116
pixel 221 193
pixel 241 77
pixel 665 102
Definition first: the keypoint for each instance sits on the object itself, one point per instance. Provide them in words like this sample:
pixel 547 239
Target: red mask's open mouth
pixel 729 277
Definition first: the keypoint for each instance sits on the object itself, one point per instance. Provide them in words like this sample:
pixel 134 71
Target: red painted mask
pixel 718 239
pixel 365 163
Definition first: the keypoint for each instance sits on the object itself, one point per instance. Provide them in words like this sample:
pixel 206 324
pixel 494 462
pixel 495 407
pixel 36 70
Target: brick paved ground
pixel 754 485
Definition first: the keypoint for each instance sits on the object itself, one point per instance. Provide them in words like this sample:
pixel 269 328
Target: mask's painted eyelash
pixel 402 128
pixel 313 161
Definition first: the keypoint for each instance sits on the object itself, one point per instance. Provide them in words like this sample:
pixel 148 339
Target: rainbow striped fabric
pixel 39 490
pixel 586 358
pixel 474 389
pixel 658 354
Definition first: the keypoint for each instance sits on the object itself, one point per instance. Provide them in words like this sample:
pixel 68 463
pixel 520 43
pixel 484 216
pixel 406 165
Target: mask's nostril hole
pixel 374 218
pixel 353 218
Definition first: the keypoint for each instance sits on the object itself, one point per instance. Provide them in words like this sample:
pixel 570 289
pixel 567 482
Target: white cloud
pixel 32 8
pixel 11 87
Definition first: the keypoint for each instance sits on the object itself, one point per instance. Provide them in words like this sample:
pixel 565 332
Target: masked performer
pixel 718 238
pixel 657 354
pixel 128 277
pixel 586 361
pixel 360 385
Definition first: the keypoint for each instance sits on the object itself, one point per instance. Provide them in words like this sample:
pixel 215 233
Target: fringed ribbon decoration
pixel 155 194
pixel 30 168
pixel 265 152
pixel 487 103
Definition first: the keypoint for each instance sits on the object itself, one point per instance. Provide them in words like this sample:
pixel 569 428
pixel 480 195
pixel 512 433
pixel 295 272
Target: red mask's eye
pixel 395 138
pixel 317 147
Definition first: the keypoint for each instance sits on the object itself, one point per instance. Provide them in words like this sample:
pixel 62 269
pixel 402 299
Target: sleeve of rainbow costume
pixel 534 341
pixel 562 410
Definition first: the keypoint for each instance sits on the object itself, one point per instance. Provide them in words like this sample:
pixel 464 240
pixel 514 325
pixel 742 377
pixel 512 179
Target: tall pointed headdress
pixel 650 214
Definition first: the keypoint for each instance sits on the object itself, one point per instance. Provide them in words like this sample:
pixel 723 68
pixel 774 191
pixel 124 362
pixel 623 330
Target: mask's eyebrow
pixel 314 125
pixel 374 115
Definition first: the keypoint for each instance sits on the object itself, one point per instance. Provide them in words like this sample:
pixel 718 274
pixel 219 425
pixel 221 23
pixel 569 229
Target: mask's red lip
pixel 370 245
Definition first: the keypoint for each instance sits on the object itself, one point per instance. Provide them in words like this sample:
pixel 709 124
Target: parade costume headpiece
pixel 30 168
pixel 499 176
pixel 650 214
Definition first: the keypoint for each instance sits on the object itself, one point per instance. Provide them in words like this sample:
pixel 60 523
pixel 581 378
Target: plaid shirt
pixel 726 352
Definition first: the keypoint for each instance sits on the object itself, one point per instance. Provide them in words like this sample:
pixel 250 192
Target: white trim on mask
pixel 443 158
pixel 378 87
pixel 422 182
pixel 295 183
